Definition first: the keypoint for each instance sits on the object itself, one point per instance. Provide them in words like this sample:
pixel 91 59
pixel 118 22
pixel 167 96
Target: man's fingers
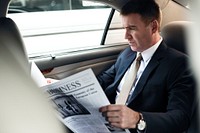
pixel 111 107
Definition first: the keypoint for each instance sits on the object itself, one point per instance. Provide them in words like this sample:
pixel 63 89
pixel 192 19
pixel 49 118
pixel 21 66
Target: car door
pixel 67 41
pixel 89 53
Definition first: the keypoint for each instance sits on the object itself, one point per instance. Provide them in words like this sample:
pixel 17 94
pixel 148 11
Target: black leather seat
pixel 175 36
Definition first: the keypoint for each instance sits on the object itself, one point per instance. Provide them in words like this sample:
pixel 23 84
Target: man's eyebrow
pixel 130 26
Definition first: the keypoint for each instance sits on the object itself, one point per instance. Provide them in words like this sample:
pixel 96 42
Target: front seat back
pixel 10 35
pixel 24 106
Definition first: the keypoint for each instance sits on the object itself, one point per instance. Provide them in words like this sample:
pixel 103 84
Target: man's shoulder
pixel 127 52
pixel 173 50
pixel 176 53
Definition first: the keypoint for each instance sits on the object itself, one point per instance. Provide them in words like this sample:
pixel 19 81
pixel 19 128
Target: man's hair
pixel 147 9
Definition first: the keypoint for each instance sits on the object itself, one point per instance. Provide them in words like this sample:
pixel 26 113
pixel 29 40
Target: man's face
pixel 138 34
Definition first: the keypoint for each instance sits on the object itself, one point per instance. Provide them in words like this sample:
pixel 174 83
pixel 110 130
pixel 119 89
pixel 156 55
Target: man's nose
pixel 127 34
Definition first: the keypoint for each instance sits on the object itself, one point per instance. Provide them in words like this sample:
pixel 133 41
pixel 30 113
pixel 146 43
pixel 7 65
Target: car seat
pixel 10 35
pixel 24 106
pixel 175 36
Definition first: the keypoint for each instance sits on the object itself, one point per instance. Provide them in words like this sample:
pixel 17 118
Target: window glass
pixel 116 33
pixel 17 6
pixel 59 30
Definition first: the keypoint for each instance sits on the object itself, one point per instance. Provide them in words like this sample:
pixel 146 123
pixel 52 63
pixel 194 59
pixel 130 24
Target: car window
pixel 53 27
pixel 49 28
pixel 20 6
pixel 116 33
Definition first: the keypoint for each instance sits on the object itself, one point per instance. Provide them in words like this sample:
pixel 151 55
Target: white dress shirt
pixel 146 57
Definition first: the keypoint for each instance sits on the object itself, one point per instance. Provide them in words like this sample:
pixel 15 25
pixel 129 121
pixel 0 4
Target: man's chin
pixel 133 48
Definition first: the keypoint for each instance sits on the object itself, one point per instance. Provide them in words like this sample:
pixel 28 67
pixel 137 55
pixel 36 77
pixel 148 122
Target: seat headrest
pixel 175 35
pixel 10 37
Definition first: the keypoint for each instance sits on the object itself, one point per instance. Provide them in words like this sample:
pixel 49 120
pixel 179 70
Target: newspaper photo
pixel 77 99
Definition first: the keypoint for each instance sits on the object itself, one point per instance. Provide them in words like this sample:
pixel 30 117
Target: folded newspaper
pixel 77 99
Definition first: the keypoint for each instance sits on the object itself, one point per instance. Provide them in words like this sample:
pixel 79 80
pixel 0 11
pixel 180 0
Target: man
pixel 160 100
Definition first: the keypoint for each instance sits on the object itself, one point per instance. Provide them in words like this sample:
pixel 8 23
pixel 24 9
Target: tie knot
pixel 139 57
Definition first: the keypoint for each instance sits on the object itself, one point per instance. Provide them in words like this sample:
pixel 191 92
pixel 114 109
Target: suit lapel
pixel 124 68
pixel 127 61
pixel 153 64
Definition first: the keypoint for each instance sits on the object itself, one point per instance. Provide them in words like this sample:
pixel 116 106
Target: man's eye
pixel 132 28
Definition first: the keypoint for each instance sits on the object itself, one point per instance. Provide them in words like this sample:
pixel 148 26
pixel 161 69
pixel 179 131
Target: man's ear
pixel 154 25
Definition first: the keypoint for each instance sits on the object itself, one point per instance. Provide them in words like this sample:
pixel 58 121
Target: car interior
pixel 24 105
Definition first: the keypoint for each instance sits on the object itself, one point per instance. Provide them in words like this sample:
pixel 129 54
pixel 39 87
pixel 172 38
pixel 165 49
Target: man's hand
pixel 120 116
pixel 50 80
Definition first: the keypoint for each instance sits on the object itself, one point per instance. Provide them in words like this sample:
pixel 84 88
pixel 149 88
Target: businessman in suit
pixel 161 99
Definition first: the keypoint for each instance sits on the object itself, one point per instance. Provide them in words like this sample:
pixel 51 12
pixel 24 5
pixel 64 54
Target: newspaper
pixel 77 99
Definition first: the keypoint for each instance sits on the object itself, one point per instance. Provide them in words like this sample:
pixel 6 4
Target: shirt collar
pixel 148 53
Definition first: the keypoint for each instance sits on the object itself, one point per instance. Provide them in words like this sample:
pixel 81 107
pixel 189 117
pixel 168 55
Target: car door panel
pixel 98 59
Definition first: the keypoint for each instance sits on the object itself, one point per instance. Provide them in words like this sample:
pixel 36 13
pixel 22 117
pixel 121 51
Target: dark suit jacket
pixel 165 92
